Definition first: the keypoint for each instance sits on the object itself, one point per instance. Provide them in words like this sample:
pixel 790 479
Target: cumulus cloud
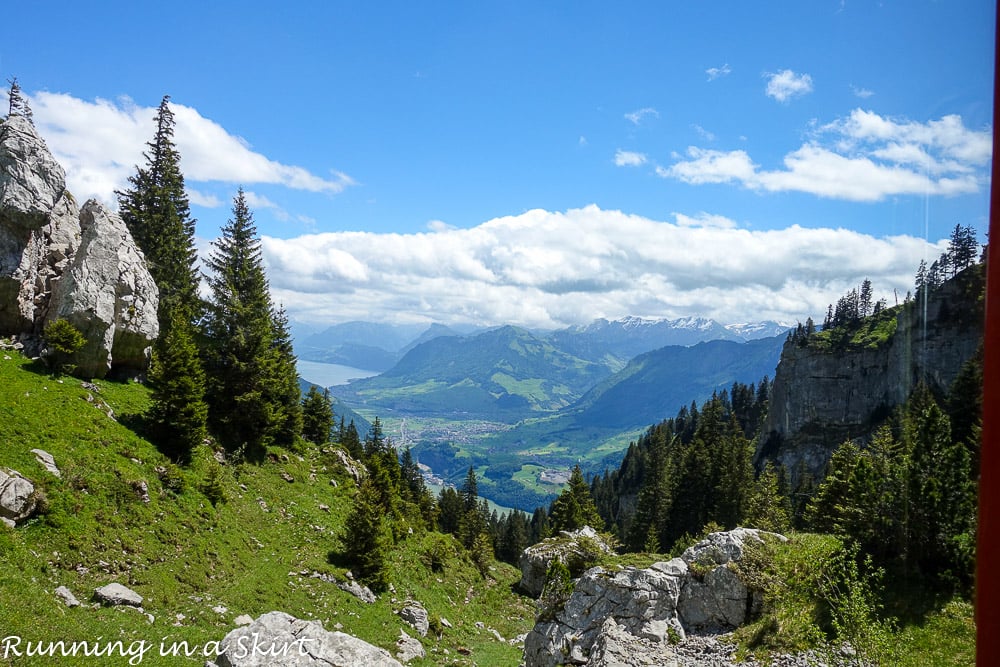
pixel 786 84
pixel 100 142
pixel 629 159
pixel 551 269
pixel 864 157
pixel 637 116
pixel 715 72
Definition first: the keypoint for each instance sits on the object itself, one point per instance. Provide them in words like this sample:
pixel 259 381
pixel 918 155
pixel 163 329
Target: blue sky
pixel 540 163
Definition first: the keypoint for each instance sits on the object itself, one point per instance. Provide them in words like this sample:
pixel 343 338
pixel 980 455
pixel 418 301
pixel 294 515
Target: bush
pixel 63 340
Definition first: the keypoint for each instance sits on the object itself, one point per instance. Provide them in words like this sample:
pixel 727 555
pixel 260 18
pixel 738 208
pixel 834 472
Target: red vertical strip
pixel 988 542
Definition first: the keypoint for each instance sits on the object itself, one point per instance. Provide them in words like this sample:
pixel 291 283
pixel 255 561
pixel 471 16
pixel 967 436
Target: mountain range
pixel 378 347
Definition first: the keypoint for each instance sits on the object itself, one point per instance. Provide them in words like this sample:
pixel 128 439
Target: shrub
pixel 63 340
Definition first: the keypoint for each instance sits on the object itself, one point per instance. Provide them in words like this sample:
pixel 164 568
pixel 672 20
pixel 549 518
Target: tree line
pixel 222 365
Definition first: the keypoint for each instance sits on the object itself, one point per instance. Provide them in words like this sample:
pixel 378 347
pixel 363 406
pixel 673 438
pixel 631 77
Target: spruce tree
pixel 238 334
pixel 367 537
pixel 156 211
pixel 284 394
pixel 178 413
pixel 317 416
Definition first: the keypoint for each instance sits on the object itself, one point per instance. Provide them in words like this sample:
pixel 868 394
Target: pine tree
pixel 317 416
pixel 575 508
pixel 178 413
pixel 239 335
pixel 767 508
pixel 18 106
pixel 283 391
pixel 156 211
pixel 367 538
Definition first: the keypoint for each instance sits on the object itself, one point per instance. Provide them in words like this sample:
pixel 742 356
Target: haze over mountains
pixel 378 347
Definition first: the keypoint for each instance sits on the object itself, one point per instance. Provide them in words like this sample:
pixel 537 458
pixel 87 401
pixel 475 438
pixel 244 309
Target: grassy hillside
pixel 250 553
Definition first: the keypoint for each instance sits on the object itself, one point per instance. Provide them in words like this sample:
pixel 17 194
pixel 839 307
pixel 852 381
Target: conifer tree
pixel 367 538
pixel 284 394
pixel 239 337
pixel 178 413
pixel 156 211
pixel 18 106
pixel 575 508
pixel 317 416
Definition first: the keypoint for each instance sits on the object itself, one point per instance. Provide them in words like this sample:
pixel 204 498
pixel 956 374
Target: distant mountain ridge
pixel 378 347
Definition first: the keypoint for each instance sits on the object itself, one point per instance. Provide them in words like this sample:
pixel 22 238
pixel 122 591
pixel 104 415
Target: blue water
pixel 329 375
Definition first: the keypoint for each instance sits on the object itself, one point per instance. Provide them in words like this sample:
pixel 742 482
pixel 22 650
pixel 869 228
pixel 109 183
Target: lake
pixel 329 375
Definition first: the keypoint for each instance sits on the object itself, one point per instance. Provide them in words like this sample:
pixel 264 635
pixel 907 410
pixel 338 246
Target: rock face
pixel 574 549
pixel 278 639
pixel 57 261
pixel 821 398
pixel 654 606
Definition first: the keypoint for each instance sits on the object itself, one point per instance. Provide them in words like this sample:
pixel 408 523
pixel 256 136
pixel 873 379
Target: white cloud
pixel 637 116
pixel 786 84
pixel 100 143
pixel 864 157
pixel 629 158
pixel 862 93
pixel 551 269
pixel 703 133
pixel 715 72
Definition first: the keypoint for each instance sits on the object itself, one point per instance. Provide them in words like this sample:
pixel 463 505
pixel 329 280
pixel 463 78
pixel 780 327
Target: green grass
pixel 186 556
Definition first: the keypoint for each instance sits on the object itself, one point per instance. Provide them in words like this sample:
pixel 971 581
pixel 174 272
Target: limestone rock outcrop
pixel 58 261
pixel 116 594
pixel 281 640
pixel 575 549
pixel 656 606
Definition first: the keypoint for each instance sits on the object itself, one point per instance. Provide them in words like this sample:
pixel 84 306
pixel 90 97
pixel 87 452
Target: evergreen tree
pixel 156 211
pixel 240 358
pixel 178 413
pixel 18 106
pixel 283 391
pixel 367 538
pixel 317 416
pixel 450 511
pixel 540 528
pixel 575 508
pixel 767 508
pixel 941 492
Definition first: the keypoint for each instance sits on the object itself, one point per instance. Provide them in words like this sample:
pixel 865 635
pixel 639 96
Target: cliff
pixel 58 261
pixel 839 385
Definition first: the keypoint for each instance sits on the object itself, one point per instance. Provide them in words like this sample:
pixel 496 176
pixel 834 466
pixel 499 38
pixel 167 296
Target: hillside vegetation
pixel 254 550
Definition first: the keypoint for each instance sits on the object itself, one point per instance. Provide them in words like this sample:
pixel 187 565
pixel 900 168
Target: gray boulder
pixel 17 496
pixel 57 261
pixel 415 614
pixel 115 594
pixel 408 648
pixel 577 550
pixel 108 294
pixel 279 639
pixel 658 605
pixel 47 461
pixel 66 595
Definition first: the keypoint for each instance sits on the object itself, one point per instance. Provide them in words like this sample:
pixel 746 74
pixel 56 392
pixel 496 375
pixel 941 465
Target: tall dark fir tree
pixel 155 209
pixel 247 353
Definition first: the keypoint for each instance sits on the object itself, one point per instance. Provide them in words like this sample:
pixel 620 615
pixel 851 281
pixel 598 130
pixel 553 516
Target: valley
pixel 521 407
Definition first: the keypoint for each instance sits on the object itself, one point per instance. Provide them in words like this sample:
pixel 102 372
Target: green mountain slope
pixel 505 374
pixel 253 552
